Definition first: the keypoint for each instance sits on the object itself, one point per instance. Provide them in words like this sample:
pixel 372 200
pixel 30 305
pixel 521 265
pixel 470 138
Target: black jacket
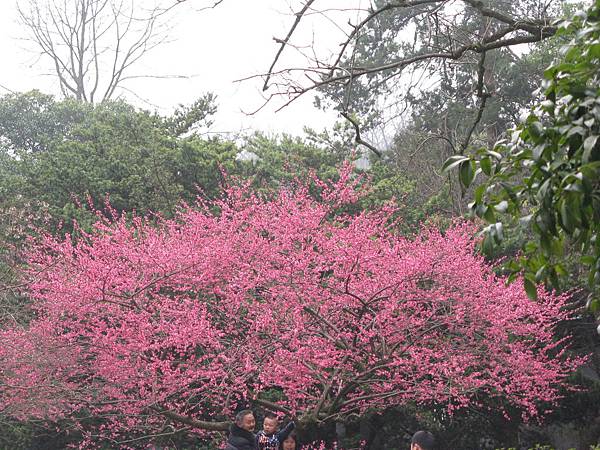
pixel 240 439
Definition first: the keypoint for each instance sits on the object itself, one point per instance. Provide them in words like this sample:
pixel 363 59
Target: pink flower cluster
pixel 334 313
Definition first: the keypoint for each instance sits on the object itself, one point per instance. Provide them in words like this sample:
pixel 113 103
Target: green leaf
pixel 480 209
pixel 565 216
pixel 588 146
pixel 486 166
pixel 548 105
pixel 488 244
pixel 512 266
pixel 552 277
pixel 588 260
pixel 466 172
pixel 593 305
pixel 494 154
pixel 452 162
pixel 536 129
pixel 592 277
pixel 544 189
pixel 530 288
pixel 550 72
pixel 594 51
pixel 576 130
pixel 574 187
pixel 546 243
pixel 510 192
pixel 479 191
pixel 501 207
pixel 489 215
pixel 538 151
pixel 539 275
pixel 559 269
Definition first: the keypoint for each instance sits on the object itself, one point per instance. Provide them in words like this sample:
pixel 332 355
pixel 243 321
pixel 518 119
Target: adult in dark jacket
pixel 241 436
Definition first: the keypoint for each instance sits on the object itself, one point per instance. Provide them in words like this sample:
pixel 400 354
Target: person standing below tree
pixel 290 442
pixel 270 437
pixel 422 440
pixel 241 432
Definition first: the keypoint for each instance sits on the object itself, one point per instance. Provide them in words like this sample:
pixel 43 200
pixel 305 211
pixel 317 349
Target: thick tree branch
pixel 357 137
pixel 271 406
pixel 540 28
pixel 356 28
pixel 483 95
pixel 195 423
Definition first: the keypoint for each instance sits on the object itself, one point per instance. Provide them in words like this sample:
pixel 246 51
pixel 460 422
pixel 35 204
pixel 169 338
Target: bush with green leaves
pixel 65 154
pixel 547 176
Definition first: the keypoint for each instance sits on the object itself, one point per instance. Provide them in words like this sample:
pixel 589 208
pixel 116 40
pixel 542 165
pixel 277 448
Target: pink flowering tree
pixel 284 302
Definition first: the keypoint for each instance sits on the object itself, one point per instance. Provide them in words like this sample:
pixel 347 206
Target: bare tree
pixel 398 49
pixel 93 44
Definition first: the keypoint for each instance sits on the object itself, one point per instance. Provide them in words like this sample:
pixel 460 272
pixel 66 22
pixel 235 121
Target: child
pixel 270 438
pixel 289 443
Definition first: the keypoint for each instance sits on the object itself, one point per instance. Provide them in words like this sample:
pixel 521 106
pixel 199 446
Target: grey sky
pixel 214 48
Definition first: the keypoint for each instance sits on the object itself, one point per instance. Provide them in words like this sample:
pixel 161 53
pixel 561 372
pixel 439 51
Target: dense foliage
pixel 548 175
pixel 282 301
pixel 64 154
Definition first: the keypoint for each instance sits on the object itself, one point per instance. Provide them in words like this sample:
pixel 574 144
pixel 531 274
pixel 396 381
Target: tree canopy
pixel 283 301
pixel 547 175
pixel 93 46
pixel 65 154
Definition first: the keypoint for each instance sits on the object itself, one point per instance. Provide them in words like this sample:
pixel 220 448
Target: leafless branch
pixel 285 41
pixel 439 41
pixel 84 37
pixel 483 95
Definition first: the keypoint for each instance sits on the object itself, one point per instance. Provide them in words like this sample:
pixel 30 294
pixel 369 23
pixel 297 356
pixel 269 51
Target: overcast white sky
pixel 215 47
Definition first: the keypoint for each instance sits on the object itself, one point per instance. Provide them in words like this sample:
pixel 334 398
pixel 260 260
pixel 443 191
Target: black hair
pixel 271 415
pixel 239 417
pixel 423 439
pixel 291 435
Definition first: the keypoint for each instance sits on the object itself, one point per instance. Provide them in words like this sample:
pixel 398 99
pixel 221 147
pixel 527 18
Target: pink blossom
pixel 340 314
